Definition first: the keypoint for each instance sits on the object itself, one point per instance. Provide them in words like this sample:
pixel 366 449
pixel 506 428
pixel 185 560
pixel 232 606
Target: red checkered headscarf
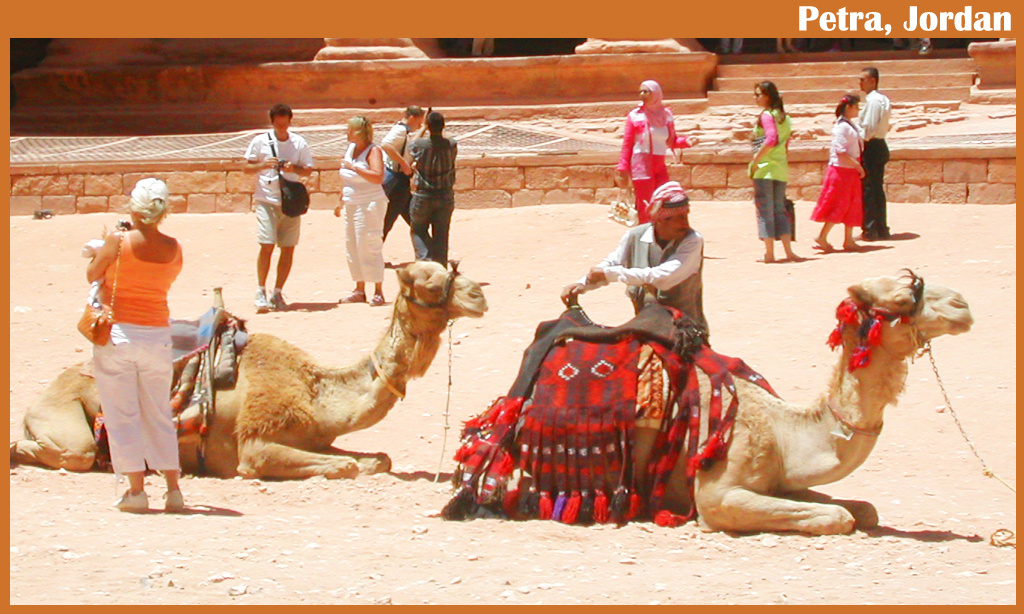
pixel 668 200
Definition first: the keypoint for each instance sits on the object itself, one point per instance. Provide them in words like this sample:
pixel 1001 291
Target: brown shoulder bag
pixel 96 322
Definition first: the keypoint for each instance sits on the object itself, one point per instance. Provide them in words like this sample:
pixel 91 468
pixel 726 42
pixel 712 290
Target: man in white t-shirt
pixel 272 154
pixel 398 165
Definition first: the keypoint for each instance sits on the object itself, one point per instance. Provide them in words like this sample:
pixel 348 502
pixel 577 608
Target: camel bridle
pixel 446 294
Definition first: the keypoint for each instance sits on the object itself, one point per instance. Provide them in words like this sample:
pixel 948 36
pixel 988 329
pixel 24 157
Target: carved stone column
pixel 369 49
pixel 639 45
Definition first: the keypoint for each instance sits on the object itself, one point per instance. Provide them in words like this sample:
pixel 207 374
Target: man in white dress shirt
pixel 874 120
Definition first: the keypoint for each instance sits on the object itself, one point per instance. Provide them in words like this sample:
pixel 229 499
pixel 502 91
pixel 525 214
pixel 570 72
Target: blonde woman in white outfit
pixel 365 203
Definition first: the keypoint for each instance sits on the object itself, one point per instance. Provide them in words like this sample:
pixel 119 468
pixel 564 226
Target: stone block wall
pixel 976 176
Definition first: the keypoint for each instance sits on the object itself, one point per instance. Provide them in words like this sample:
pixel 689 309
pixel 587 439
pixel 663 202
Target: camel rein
pixel 1001 537
pixel 447 405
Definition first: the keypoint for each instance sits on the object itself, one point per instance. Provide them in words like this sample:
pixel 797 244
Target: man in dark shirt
pixel 434 201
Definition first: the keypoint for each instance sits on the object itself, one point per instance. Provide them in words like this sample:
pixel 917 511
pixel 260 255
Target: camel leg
pixel 742 510
pixel 864 513
pixel 48 453
pixel 264 459
pixel 369 462
pixel 67 444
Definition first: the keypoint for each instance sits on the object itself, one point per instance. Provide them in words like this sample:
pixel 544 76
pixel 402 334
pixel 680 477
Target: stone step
pixel 842 83
pixel 809 69
pixel 899 95
pixel 169 119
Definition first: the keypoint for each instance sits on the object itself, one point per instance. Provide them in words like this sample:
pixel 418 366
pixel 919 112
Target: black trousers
pixel 876 155
pixel 396 186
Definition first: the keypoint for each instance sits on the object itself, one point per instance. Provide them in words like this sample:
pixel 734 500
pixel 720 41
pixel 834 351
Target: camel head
pixel 429 286
pixel 913 312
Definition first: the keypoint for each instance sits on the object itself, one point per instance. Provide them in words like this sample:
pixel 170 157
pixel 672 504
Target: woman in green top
pixel 770 171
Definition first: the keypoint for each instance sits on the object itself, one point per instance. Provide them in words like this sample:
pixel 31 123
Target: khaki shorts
pixel 276 228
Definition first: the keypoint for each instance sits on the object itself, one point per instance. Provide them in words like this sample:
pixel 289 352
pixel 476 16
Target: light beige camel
pixel 286 410
pixel 779 451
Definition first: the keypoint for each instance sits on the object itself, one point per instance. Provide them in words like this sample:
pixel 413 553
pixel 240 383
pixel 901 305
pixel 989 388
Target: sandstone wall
pixel 975 175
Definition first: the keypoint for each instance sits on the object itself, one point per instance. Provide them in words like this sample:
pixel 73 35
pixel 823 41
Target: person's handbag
pixel 621 209
pixel 97 320
pixel 294 196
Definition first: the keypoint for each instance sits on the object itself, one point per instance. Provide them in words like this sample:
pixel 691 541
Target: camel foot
pixel 374 463
pixel 864 513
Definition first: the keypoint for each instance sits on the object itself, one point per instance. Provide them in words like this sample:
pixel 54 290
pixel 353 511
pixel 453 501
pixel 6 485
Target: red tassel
pixel 875 333
pixel 546 506
pixel 635 506
pixel 860 358
pixel 715 446
pixel 665 518
pixel 601 512
pixel 835 339
pixel 504 466
pixel 572 508
pixel 847 311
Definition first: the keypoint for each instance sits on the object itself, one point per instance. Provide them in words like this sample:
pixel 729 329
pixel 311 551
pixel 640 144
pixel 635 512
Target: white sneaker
pixel 174 502
pixel 133 503
pixel 262 304
pixel 277 301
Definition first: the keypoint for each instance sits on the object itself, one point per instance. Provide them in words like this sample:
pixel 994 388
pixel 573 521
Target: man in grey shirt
pixel 432 205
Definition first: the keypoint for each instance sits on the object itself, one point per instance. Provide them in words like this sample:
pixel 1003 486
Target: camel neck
pixel 859 398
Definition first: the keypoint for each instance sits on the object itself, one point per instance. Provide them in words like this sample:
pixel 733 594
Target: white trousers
pixel 364 240
pixel 133 374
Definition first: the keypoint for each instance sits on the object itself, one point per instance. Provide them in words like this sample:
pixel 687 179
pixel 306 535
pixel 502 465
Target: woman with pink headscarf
pixel 649 135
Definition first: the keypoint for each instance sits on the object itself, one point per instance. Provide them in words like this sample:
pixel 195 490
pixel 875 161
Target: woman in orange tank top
pixel 134 369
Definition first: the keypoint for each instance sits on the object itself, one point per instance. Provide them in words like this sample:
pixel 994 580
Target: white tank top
pixel 357 189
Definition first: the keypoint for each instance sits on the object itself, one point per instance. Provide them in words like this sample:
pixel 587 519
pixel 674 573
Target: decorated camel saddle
pixel 206 354
pixel 560 444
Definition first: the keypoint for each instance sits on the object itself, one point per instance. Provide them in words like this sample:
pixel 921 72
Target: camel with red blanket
pixel 646 421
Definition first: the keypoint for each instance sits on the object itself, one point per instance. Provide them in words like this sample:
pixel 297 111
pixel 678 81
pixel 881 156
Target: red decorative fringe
pixel 546 506
pixel 665 518
pixel 511 503
pixel 601 512
pixel 860 358
pixel 835 339
pixel 636 506
pixel 572 508
pixel 875 333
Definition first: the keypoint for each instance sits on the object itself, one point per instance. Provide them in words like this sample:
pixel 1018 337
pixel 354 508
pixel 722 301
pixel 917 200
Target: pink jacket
pixel 636 154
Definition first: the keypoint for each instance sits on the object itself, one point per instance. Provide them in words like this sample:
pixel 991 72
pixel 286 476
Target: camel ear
pixel 404 276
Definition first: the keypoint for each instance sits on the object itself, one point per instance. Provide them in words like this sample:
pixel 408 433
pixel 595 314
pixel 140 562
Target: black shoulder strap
pixel 270 135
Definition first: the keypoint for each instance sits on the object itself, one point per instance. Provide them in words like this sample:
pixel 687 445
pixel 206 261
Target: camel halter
pixel 446 295
pixel 868 322
pixel 849 426
pixel 380 373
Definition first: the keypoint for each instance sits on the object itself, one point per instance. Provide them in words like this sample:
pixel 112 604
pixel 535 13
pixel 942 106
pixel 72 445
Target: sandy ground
pixel 379 539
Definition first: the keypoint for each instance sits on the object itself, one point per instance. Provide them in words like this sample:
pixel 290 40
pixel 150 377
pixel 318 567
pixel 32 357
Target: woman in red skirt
pixel 841 200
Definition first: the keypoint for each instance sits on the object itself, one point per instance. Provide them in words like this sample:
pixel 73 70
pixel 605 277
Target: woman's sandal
pixel 377 300
pixel 354 297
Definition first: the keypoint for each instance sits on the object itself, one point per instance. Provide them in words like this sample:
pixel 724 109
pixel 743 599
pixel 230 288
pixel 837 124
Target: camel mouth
pixel 474 311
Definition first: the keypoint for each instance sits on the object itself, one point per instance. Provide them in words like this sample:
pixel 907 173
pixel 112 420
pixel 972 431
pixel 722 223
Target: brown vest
pixel 687 296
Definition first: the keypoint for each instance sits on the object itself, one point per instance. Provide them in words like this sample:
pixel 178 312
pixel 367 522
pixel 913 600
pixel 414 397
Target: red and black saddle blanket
pixel 559 446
